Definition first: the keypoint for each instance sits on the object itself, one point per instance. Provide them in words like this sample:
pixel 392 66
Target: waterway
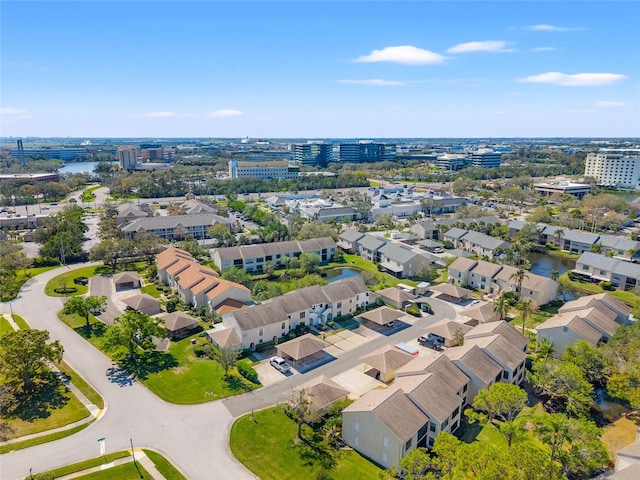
pixel 334 274
pixel 542 264
pixel 79 167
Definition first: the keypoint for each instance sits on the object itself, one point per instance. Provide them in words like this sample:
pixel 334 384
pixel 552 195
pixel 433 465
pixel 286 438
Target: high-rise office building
pixel 619 168
pixel 312 153
pixel 127 157
pixel 485 157
pixel 364 152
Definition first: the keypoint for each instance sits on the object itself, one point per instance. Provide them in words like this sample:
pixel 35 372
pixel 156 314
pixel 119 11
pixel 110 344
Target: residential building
pixel 426 230
pixel 280 169
pixel 365 151
pixel 623 275
pixel 593 318
pixel 479 243
pixel 504 353
pixel 493 278
pixel 619 168
pixel 252 258
pixel 500 327
pixel 485 157
pixel 401 261
pixel 314 305
pixel 481 369
pixel 321 210
pixel 128 212
pixel 127 157
pixel 369 247
pixel 312 153
pixel 175 226
pixel 562 188
pixel 574 241
pixel 348 240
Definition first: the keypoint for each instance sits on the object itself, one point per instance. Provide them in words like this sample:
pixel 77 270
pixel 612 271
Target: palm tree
pixel 558 235
pixel 501 307
pixel 518 277
pixel 526 307
pixel 554 275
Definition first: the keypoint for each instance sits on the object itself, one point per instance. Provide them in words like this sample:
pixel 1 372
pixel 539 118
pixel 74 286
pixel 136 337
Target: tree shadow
pixel 94 330
pixel 236 384
pixel 45 394
pixel 314 451
pixel 148 363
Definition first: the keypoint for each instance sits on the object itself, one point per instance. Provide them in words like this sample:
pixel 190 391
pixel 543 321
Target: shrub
pixel 248 372
pixel 81 281
pixel 198 351
pixel 413 310
pixel 171 306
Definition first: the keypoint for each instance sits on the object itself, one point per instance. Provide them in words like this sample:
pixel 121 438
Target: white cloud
pixel 543 49
pixel 606 103
pixel 486 46
pixel 549 28
pixel 13 111
pixel 575 80
pixel 376 82
pixel 159 114
pixel 229 112
pixel 405 54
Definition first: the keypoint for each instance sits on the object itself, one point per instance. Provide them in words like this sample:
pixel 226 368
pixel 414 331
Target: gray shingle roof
pixel 456 233
pixel 398 253
pixel 351 235
pixel 173 221
pixel 485 241
pixel 371 242
pixel 619 243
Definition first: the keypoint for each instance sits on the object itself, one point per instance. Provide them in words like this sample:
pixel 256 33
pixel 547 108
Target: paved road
pixel 193 437
pixel 101 285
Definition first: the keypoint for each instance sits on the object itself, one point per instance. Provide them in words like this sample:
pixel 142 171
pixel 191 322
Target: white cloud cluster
pixel 575 80
pixel 485 46
pixel 376 82
pixel 404 54
pixel 228 112
pixel 11 114
pixel 543 27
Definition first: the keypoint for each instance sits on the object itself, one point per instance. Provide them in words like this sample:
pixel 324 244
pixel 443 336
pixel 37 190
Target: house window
pixel 565 329
pixel 303 314
pixel 282 325
pixel 431 439
pixel 407 446
pixel 339 305
pixel 464 389
pixel 455 412
pixel 432 427
pixel 384 458
pixel 356 441
pixel 260 332
pixel 356 426
pixel 454 427
pixel 445 423
pixel 385 441
pixel 498 377
pixel 505 375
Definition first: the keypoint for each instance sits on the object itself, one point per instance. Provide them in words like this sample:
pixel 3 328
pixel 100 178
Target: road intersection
pixel 193 437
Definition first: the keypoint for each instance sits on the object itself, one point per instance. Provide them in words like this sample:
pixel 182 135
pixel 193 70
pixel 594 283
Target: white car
pixel 280 364
pixel 475 302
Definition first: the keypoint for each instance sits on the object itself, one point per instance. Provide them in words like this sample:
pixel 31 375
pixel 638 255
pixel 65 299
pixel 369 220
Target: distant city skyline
pixel 154 69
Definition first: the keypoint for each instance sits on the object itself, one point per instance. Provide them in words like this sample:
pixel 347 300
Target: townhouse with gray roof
pixel 175 227
pixel 369 247
pixel 623 275
pixel 426 230
pixel 479 243
pixel 401 261
pixel 348 240
pixel 252 258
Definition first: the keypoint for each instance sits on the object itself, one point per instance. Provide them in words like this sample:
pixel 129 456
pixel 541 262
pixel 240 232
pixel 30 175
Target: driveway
pixel 102 285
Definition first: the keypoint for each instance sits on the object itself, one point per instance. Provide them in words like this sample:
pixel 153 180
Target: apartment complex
pixel 252 258
pixel 175 227
pixel 279 169
pixel 127 157
pixel 619 168
pixel 365 152
pixel 312 153
pixel 622 274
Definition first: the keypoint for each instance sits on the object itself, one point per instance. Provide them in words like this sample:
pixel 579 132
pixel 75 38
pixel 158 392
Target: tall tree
pixel 227 357
pixel 85 306
pixel 25 353
pixel 300 409
pixel 134 331
pixel 518 277
pixel 502 306
pixel 526 307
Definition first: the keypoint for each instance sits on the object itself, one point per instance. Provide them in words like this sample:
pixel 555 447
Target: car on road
pixel 279 364
pixel 475 302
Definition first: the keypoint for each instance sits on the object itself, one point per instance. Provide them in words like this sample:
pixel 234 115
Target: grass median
pixel 63 286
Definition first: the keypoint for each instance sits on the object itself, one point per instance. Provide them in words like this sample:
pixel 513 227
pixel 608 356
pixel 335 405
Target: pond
pixel 80 167
pixel 542 264
pixel 334 274
pixel 609 409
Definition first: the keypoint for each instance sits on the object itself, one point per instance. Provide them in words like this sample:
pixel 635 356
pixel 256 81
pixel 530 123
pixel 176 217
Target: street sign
pixel 102 445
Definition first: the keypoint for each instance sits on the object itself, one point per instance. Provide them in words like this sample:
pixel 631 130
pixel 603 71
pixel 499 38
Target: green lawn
pixel 13 288
pixel 83 386
pixel 21 322
pixel 267 447
pixel 5 327
pixel 619 434
pixel 87 195
pixel 86 464
pixel 66 278
pixel 177 376
pixel 51 406
pixel 164 466
pixel 151 289
pixel 385 280
pixel 43 439
pixel 127 471
pixel 534 319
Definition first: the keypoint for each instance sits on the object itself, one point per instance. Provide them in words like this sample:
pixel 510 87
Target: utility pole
pixel 62 251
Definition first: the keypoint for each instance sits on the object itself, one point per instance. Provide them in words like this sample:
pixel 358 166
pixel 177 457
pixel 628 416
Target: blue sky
pixel 320 69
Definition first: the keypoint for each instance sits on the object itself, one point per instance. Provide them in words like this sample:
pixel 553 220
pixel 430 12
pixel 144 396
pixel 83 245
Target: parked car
pixel 429 343
pixel 279 364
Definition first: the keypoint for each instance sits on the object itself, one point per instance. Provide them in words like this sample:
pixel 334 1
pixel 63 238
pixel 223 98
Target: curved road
pixel 193 437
